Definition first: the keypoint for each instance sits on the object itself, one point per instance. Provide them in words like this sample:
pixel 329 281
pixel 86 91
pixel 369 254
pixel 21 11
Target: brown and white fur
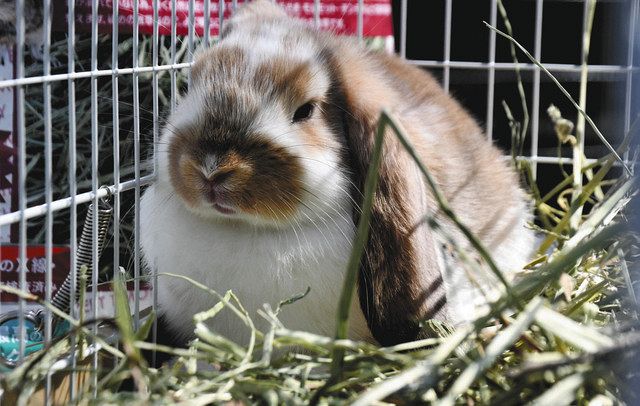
pixel 260 194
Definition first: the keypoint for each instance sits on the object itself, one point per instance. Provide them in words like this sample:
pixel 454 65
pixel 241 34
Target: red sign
pixel 36 269
pixel 340 16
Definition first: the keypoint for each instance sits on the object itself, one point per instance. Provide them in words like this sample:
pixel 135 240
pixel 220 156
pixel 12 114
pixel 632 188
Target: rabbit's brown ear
pixel 399 283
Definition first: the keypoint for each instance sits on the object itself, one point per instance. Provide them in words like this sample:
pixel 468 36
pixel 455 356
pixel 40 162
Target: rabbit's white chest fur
pixel 258 265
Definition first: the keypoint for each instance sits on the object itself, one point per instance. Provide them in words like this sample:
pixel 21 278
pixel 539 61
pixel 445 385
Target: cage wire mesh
pixel 88 107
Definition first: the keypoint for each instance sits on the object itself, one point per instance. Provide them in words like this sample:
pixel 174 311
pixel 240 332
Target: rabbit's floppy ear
pixel 399 283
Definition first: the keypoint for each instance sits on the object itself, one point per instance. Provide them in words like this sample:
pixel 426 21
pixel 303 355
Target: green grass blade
pixel 562 393
pixel 584 338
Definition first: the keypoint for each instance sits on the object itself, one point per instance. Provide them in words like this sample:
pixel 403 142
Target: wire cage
pixel 83 101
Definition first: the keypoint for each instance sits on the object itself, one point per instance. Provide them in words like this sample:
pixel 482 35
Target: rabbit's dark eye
pixel 303 112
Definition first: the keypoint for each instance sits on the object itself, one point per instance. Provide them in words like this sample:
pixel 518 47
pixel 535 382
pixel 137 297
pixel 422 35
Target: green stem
pixel 578 147
pixel 362 235
pixel 523 97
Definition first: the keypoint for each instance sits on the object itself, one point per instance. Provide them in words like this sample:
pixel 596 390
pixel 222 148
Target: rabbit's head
pixel 258 137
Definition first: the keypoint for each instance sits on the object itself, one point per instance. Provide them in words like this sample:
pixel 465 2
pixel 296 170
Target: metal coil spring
pixel 84 254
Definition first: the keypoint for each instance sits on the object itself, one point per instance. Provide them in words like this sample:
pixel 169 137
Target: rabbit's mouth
pixel 224 209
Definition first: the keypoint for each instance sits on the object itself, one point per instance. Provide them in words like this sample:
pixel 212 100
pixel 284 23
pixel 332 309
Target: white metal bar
pixel 74 199
pixel 48 181
pixel 22 169
pixel 156 130
pixel 136 164
pixel 92 74
pixel 116 139
pixel 447 45
pixel 220 16
pixel 555 160
pixel 553 67
pixel 73 217
pixel 207 23
pixel 190 40
pixel 535 105
pixel 491 79
pixel 403 29
pixel 316 13
pixel 174 90
pixel 360 20
pixel 633 17
pixel 94 181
